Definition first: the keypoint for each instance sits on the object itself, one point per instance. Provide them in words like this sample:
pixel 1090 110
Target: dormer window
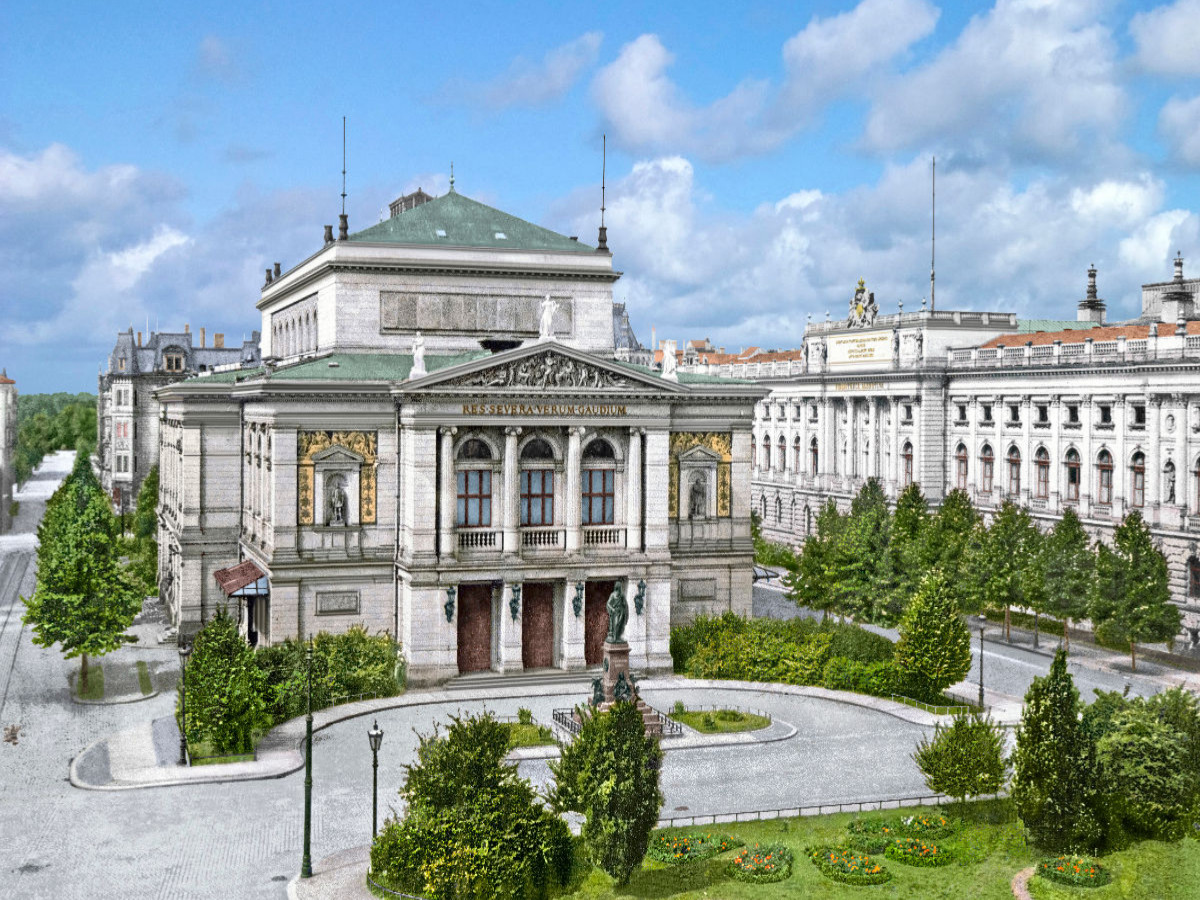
pixel 173 360
pixel 501 236
pixel 440 232
pixel 121 364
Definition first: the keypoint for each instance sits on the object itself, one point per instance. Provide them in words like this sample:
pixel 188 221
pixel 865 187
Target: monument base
pixel 616 670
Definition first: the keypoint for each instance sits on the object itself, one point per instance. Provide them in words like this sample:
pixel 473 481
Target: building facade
pixel 8 445
pixel 443 443
pixel 127 414
pixel 1100 418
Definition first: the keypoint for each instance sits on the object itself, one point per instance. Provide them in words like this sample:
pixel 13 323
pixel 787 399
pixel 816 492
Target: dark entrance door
pixel 537 625
pixel 595 620
pixel 474 627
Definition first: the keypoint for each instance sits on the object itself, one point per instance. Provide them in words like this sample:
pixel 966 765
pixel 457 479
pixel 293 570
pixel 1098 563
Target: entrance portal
pixel 474 627
pixel 537 625
pixel 595 620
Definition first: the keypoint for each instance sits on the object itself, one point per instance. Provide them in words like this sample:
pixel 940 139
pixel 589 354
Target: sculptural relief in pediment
pixel 544 370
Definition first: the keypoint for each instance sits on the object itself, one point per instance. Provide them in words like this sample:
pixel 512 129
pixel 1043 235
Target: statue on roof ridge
pixel 863 308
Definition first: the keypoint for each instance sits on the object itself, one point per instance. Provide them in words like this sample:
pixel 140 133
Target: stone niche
pixel 697 484
pixel 336 473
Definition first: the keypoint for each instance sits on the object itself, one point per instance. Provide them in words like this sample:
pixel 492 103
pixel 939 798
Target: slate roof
pixel 453 220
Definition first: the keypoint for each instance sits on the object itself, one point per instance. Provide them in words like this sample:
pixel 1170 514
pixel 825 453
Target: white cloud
pixel 828 59
pixel 215 60
pixel 528 83
pixel 1118 201
pixel 1166 38
pixel 1153 243
pixel 1030 77
pixel 1179 125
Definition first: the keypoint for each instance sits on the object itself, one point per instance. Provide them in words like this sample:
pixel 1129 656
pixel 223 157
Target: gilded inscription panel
pixel 721 443
pixel 310 443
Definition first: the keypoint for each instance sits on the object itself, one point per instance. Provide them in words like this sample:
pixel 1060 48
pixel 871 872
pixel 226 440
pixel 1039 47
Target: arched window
pixel 599 483
pixel 753 454
pixel 814 458
pixel 1042 461
pixel 1014 471
pixel 960 467
pixel 1137 493
pixel 1073 474
pixel 766 453
pixel 1104 470
pixel 779 510
pixel 473 448
pixel 474 485
pixel 987 472
pixel 763 507
pixel 907 457
pixel 797 454
pixel 781 460
pixel 537 483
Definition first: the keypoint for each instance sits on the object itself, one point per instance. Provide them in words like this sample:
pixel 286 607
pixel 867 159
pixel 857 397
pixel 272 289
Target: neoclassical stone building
pixel 441 443
pixel 8 443
pixel 1048 413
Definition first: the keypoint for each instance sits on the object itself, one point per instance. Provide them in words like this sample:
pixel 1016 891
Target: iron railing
pixel 793 812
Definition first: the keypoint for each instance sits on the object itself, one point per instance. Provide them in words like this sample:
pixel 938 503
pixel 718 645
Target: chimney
pixel 328 234
pixel 187 329
pixel 343 227
pixel 201 337
pixel 218 340
pixel 277 270
pixel 270 278
pixel 139 339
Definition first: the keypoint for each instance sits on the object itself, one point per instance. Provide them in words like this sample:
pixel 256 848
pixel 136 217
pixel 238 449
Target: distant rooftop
pixel 453 220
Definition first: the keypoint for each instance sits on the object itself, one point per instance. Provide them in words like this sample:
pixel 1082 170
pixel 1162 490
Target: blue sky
pixel 154 158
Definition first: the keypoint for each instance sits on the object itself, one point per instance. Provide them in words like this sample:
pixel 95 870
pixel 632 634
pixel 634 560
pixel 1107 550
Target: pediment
pixel 545 367
pixel 337 454
pixel 701 455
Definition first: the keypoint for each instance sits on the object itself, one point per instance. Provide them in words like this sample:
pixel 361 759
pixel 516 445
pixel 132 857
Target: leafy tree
pixel 144 564
pixel 1031 578
pixel 473 827
pixel 610 774
pixel 862 559
pixel 1002 553
pixel 812 584
pixel 934 650
pixel 226 691
pixel 907 549
pixel 1131 590
pixel 948 540
pixel 1180 710
pixel 1067 568
pixel 964 759
pixel 82 600
pixel 1142 766
pixel 48 422
pixel 1055 786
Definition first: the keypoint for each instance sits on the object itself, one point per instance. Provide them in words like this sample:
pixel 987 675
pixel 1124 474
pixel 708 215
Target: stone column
pixel 633 492
pixel 1057 463
pixel 447 494
pixel 1089 475
pixel 571 648
pixel 893 475
pixel 510 505
pixel 574 498
pixel 1154 457
pixel 1182 426
pixel 1028 469
pixel 973 468
pixel 1122 475
pixel 509 629
pixel 872 438
pixel 657 462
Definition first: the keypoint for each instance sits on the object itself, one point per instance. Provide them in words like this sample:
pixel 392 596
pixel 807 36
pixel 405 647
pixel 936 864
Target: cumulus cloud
pixel 529 83
pixel 694 270
pixel 1179 126
pixel 1029 78
pixel 1165 38
pixel 829 58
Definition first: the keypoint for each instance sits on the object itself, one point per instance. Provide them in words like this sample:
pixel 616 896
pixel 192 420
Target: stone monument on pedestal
pixel 616 683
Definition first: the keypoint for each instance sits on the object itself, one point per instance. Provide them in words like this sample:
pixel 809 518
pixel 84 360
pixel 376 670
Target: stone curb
pixel 1020 884
pixel 696 741
pixel 128 698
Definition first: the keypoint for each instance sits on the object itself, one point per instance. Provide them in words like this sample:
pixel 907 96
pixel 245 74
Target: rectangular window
pixel 537 497
pixel 173 362
pixel 1139 415
pixel 1043 413
pixel 1072 481
pixel 1014 477
pixel 1014 413
pixel 598 496
pixel 1073 414
pixel 475 498
pixel 907 412
pixel 1106 485
pixel 121 364
pixel 1139 486
pixel 987 412
pixel 1105 414
pixel 962 412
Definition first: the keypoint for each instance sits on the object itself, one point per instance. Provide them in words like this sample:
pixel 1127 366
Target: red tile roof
pixel 1078 336
pixel 237 577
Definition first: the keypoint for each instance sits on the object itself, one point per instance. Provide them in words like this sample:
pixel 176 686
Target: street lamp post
pixel 306 862
pixel 375 736
pixel 981 668
pixel 185 650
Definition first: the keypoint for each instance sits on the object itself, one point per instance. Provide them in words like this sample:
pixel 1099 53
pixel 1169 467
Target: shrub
pixel 525 716
pixel 686 638
pixel 680 848
pixel 709 721
pixel 847 867
pixel 678 709
pixel 762 864
pixel 965 759
pixel 877 679
pixel 1079 871
pixel 1143 766
pixel 934 650
pixel 729 715
pixel 915 851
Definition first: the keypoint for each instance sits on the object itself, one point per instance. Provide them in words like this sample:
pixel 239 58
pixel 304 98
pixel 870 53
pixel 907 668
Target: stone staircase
pixel 580 679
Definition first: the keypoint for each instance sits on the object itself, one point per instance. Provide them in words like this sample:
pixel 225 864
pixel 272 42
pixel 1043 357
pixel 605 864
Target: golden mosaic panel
pixel 310 443
pixel 720 442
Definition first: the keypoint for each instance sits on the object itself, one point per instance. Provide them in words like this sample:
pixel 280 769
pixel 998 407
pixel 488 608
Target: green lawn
pixel 721 721
pixel 144 678
pixel 95 687
pixel 532 735
pixel 992 851
pixel 202 753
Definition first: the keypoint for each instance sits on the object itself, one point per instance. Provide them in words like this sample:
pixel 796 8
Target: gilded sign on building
pixel 310 443
pixel 719 442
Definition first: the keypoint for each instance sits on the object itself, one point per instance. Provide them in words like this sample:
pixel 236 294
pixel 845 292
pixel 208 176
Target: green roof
pixel 370 366
pixel 453 220
pixel 1029 326
pixel 684 377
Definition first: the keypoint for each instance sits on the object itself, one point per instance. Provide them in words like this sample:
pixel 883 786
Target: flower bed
pixel 1079 871
pixel 762 864
pixel 848 867
pixel 931 825
pixel 872 835
pixel 680 848
pixel 919 852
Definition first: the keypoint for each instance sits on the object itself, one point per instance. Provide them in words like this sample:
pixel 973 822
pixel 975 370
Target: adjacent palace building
pixel 1052 415
pixel 449 437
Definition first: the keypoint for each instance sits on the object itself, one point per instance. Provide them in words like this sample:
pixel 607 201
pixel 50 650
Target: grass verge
pixel 721 721
pixel 532 735
pixel 95 687
pixel 144 681
pixel 203 753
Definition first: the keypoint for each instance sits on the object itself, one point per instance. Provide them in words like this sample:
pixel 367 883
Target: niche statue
pixel 337 505
pixel 698 498
pixel 618 615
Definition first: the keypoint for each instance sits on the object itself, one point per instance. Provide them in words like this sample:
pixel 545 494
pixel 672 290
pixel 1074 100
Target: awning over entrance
pixel 245 579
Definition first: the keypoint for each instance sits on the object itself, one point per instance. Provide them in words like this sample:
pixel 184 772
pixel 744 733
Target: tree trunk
pixel 1035 628
pixel 83 675
pixel 1007 624
pixel 1133 656
pixel 1067 633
